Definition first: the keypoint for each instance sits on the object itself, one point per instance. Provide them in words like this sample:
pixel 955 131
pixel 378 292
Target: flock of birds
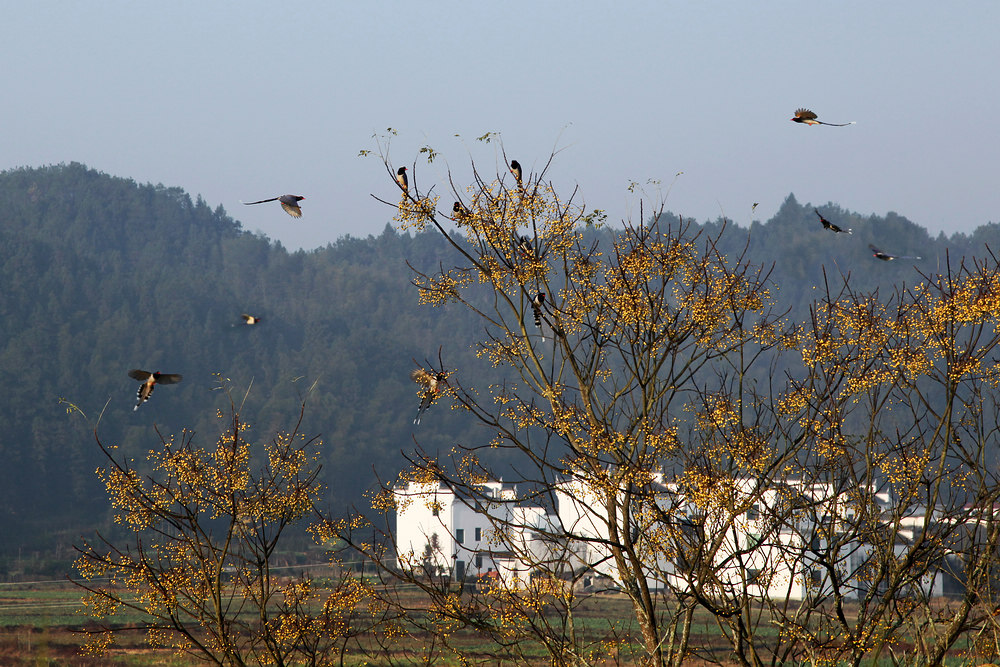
pixel 807 117
pixel 433 383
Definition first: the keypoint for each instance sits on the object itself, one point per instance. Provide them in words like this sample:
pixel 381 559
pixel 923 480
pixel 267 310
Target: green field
pixel 41 623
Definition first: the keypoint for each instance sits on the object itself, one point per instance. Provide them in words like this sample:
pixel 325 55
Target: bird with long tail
pixel 807 117
pixel 886 257
pixel 149 381
pixel 290 203
pixel 832 227
pixel 432 384
pixel 536 308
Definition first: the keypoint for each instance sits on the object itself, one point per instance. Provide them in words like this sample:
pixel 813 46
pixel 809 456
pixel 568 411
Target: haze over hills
pixel 101 274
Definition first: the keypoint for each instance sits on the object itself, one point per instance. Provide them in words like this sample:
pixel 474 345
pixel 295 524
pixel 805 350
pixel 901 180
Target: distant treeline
pixel 99 275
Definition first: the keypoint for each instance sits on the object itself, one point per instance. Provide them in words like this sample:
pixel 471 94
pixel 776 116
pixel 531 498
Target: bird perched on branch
pixel 459 213
pixel 149 381
pixel 251 319
pixel 536 308
pixel 515 168
pixel 404 183
pixel 809 118
pixel 288 202
pixel 885 257
pixel 432 384
pixel 832 227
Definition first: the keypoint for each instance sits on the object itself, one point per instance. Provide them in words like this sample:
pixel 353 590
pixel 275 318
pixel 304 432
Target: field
pixel 41 624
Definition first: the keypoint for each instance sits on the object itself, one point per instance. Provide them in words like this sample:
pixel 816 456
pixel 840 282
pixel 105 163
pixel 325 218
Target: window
pixel 460 535
pixel 753 513
pixel 479 560
pixel 479 534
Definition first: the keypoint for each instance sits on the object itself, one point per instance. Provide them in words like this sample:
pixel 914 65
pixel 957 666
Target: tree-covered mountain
pixel 101 274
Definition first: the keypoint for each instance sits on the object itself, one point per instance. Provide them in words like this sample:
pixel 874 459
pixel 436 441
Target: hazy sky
pixel 245 100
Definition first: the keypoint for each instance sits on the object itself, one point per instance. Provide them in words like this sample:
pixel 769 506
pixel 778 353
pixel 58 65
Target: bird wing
pixel 169 378
pixel 292 209
pixel 805 114
pixel 139 375
pixel 248 203
pixel 420 376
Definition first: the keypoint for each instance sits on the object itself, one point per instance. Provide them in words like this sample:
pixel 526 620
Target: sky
pixel 238 101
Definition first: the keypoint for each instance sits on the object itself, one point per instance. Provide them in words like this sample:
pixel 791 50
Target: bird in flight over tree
pixel 288 202
pixel 404 183
pixel 149 381
pixel 515 168
pixel 251 319
pixel 832 227
pixel 809 118
pixel 432 384
pixel 536 308
pixel 885 257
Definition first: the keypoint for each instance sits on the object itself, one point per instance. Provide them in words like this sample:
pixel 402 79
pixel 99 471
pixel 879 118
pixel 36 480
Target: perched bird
pixel 404 183
pixel 251 319
pixel 536 308
pixel 515 168
pixel 809 118
pixel 288 202
pixel 150 380
pixel 885 257
pixel 459 213
pixel 832 227
pixel 524 246
pixel 432 383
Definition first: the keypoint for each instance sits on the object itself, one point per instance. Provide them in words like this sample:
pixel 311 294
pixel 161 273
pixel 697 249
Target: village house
pixel 781 541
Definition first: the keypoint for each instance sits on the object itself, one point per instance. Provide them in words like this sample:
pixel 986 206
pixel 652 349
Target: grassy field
pixel 41 624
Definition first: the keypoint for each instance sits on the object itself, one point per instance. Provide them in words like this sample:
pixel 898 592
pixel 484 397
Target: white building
pixel 442 532
pixel 778 541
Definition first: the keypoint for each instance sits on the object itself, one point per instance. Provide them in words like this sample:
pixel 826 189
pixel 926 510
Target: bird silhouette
pixel 251 319
pixel 536 308
pixel 515 168
pixel 809 118
pixel 149 381
pixel 404 183
pixel 885 257
pixel 832 227
pixel 432 384
pixel 288 202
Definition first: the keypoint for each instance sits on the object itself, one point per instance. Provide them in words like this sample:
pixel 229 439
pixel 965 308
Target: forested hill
pixel 100 275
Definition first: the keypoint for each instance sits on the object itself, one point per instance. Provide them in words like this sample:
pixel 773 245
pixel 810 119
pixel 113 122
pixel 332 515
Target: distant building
pixel 786 540
pixel 441 532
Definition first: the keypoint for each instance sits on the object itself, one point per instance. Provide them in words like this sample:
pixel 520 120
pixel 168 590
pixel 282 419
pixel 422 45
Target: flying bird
pixel 536 308
pixel 404 183
pixel 149 381
pixel 288 202
pixel 832 227
pixel 809 118
pixel 515 168
pixel 885 257
pixel 251 319
pixel 459 213
pixel 432 384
